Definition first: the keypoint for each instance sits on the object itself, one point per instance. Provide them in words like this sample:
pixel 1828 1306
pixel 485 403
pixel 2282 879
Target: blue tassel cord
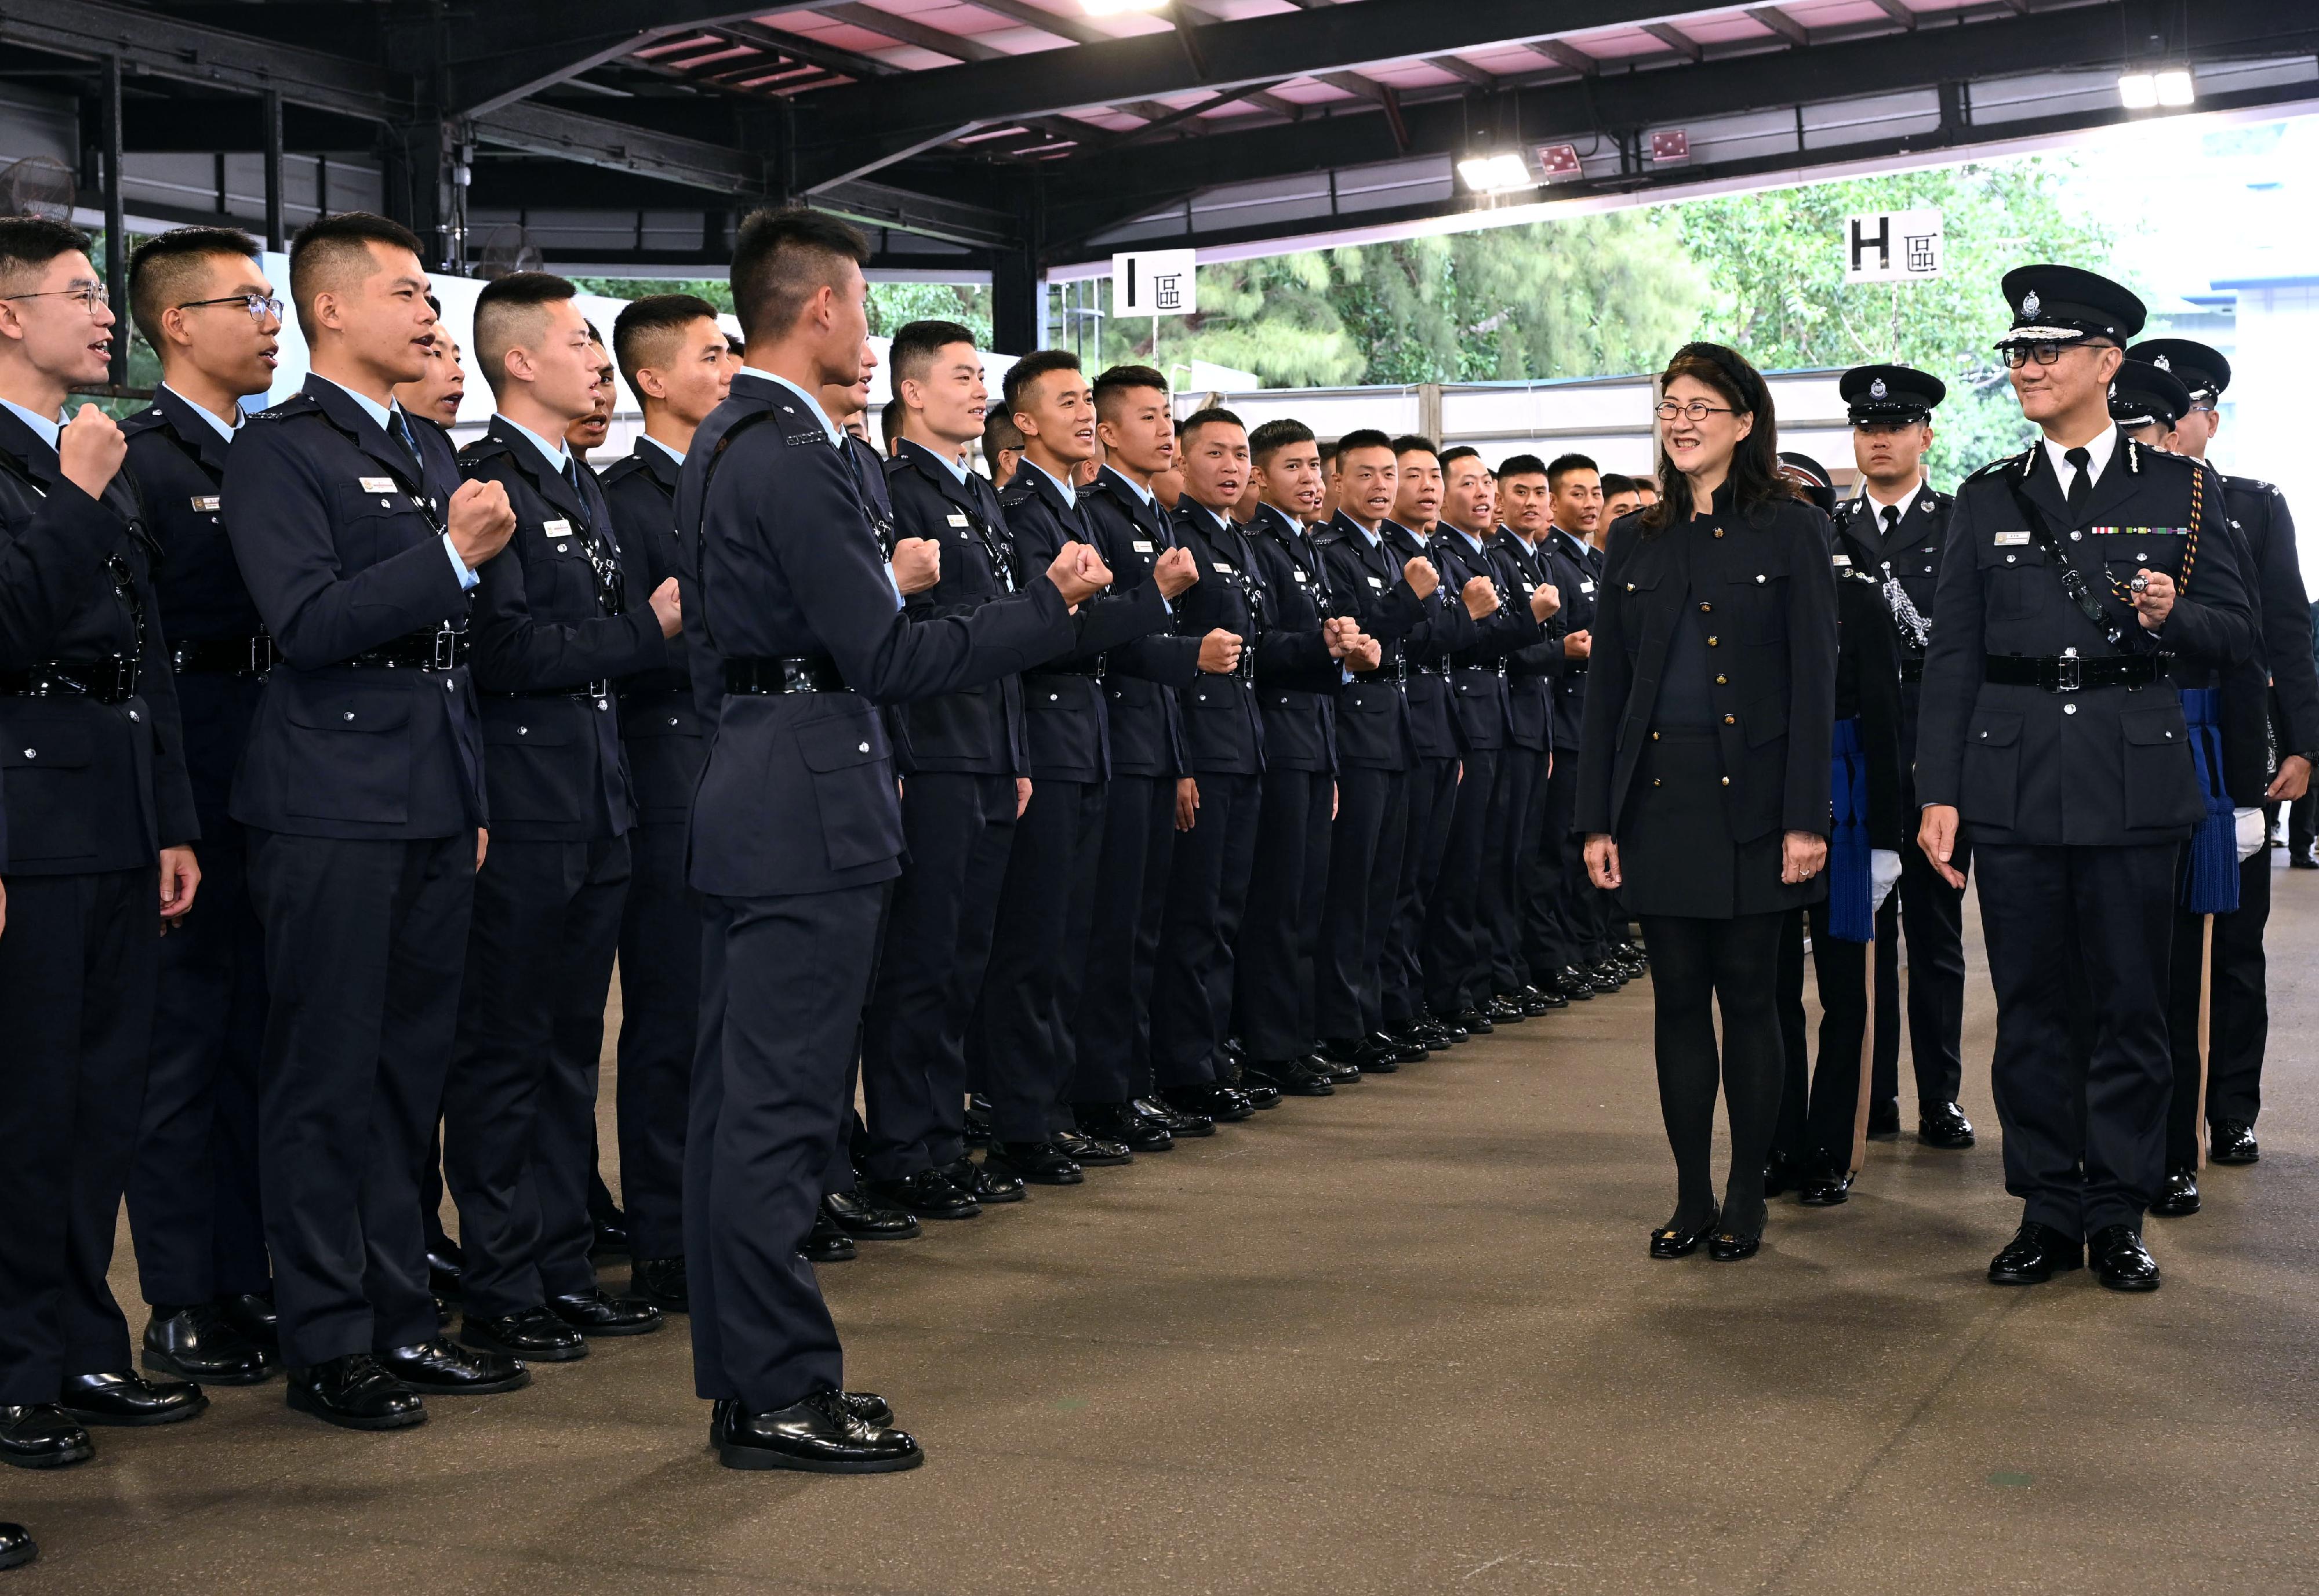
pixel 1850 916
pixel 2210 885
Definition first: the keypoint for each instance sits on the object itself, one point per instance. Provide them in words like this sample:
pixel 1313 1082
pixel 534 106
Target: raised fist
pixel 917 564
pixel 1481 598
pixel 1174 572
pixel 90 450
pixel 1544 601
pixel 1220 653
pixel 1421 578
pixel 482 520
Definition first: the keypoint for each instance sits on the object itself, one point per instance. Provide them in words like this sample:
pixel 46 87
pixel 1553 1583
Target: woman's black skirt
pixel 1674 842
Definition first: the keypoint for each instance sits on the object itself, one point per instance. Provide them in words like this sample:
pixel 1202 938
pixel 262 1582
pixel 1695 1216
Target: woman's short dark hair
pixel 1754 479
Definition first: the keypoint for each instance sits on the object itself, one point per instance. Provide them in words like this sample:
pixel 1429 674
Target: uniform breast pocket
pixel 42 769
pixel 1757 595
pixel 853 789
pixel 373 527
pixel 2124 555
pixel 360 740
pixel 2010 575
pixel 1989 786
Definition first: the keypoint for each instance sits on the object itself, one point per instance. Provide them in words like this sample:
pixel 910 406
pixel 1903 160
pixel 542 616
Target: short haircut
pixel 1524 465
pixel 1462 452
pixel 1563 464
pixel 507 312
pixel 1273 437
pixel 999 432
pixel 781 259
pixel 163 269
pixel 1031 368
pixel 28 243
pixel 1214 416
pixel 1120 380
pixel 1614 484
pixel 647 331
pixel 434 304
pixel 326 250
pixel 1329 451
pixel 1411 444
pixel 917 345
pixel 1367 438
pixel 889 422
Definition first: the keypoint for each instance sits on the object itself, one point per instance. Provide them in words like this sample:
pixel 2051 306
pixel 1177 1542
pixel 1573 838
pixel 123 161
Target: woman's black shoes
pixel 1728 1247
pixel 1678 1240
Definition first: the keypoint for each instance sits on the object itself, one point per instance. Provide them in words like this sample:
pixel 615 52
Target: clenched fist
pixel 1421 578
pixel 1174 572
pixel 481 522
pixel 1544 601
pixel 1078 573
pixel 917 564
pixel 90 450
pixel 1481 598
pixel 1220 653
pixel 1363 653
pixel 667 608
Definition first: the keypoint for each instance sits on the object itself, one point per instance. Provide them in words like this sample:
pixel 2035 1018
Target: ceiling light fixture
pixel 1502 173
pixel 2175 87
pixel 2171 87
pixel 1560 162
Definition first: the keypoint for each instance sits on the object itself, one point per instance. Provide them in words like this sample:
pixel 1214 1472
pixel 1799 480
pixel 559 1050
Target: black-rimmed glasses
pixel 1698 409
pixel 259 306
pixel 90 294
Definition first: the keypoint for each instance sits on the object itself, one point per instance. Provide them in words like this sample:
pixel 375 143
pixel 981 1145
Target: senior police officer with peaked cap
pixel 1892 531
pixel 2051 733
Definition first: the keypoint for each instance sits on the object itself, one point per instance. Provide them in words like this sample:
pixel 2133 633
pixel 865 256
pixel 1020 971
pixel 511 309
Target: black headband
pixel 1743 377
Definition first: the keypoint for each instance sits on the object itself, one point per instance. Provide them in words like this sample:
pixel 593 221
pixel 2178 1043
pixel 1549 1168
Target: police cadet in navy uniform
pixel 795 631
pixel 673 353
pixel 1515 814
pixel 210 312
pixel 2272 699
pixel 1894 530
pixel 2073 571
pixel 1143 683
pixel 1458 966
pixel 965 763
pixel 1367 1015
pixel 553 626
pixel 1275 967
pixel 1022 1041
pixel 100 822
pixel 362 789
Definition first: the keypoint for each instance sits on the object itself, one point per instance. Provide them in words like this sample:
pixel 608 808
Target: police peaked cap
pixel 2059 304
pixel 2202 369
pixel 1890 393
pixel 2143 394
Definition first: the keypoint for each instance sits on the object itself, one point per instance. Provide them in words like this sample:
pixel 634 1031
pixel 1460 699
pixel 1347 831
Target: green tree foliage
pixel 891 304
pixel 1775 263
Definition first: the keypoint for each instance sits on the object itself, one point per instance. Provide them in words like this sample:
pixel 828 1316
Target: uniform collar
pixel 1904 504
pixel 2101 448
pixel 1143 495
pixel 206 413
pixel 1574 546
pixel 381 414
pixel 47 429
pixel 674 455
pixel 1471 541
pixel 957 468
pixel 558 458
pixel 1070 495
pixel 1189 502
pixel 812 406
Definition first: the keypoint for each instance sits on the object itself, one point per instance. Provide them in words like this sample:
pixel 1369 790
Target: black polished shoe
pixel 2119 1259
pixel 443 1263
pixel 1093 1152
pixel 2036 1253
pixel 1884 1120
pixel 601 1313
pixel 1355 1054
pixel 537 1333
pixel 198 1343
pixel 1571 983
pixel 660 1281
pixel 356 1393
pixel 1943 1125
pixel 448 1369
pixel 868 1222
pixel 129 1400
pixel 1473 1022
pixel 1122 1123
pixel 1428 1035
pixel 978 1122
pixel 1604 977
pixel 824 1434
pixel 1214 1101
pixel 442 1314
pixel 925 1193
pixel 1780 1172
pixel 984 1186
pixel 1536 1001
pixel 2303 860
pixel 17 1546
pixel 1401 1048
pixel 255 1318
pixel 1503 1011
pixel 1681 1240
pixel 1038 1163
pixel 1180 1122
pixel 2179 1198
pixel 2232 1142
pixel 39 1436
pixel 1292 1078
pixel 1256 1093
pixel 825 1243
pixel 1334 1071
pixel 611 1239
pixel 1729 1247
pixel 1824 1188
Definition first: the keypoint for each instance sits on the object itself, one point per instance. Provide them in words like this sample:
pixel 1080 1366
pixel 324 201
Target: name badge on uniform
pixel 2011 539
pixel 205 501
pixel 1377 582
pixel 1844 562
pixel 378 484
pixel 1586 585
pixel 557 528
pixel 1222 569
pixel 1301 577
pixel 1141 545
pixel 957 519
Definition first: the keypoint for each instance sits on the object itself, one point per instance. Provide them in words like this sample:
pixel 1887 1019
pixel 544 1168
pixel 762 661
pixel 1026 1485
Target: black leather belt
pixel 441 649
pixel 1440 671
pixel 108 681
pixel 1093 670
pixel 813 675
pixel 598 690
pixel 2068 673
pixel 1912 667
pixel 252 655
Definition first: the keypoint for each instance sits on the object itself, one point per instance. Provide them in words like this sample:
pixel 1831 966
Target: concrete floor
pixel 1403 1341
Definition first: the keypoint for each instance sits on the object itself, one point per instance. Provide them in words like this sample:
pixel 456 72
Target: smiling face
pixel 1417 497
pixel 1577 502
pixel 1290 480
pixel 62 336
pixel 1215 464
pixel 1702 447
pixel 1056 411
pixel 1367 482
pixel 2072 394
pixel 950 401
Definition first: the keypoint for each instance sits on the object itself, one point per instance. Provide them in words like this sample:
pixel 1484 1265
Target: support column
pixel 420 158
pixel 1018 303
pixel 277 237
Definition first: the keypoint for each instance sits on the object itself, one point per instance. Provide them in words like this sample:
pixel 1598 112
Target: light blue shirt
pixel 45 428
pixel 557 457
pixel 1472 541
pixel 837 440
pixel 957 468
pixel 673 453
pixel 206 414
pixel 1070 494
pixel 383 414
pixel 1136 488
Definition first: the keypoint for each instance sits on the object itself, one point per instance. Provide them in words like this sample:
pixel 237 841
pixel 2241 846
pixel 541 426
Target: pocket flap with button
pixel 2157 726
pixel 545 730
pixel 351 709
pixel 58 745
pixel 1993 728
pixel 840 742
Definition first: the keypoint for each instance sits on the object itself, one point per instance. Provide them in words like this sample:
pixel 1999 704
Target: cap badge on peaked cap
pixel 2030 303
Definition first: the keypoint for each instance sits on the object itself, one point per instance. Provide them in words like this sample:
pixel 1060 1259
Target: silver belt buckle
pixel 446 656
pixel 2067 678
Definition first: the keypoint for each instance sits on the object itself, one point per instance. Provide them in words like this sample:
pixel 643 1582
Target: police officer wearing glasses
pixel 2053 737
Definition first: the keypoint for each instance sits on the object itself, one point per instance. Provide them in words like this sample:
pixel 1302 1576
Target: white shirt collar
pixel 812 405
pixel 47 428
pixel 206 414
pixel 675 455
pixel 556 455
pixel 1070 494
pixel 2101 448
pixel 1904 504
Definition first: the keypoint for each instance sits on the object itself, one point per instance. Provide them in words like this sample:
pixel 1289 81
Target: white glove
pixel 1883 876
pixel 2253 834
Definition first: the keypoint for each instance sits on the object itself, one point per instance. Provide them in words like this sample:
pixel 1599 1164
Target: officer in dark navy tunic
pixel 674 357
pixel 2051 735
pixel 1893 530
pixel 795 633
pixel 98 857
pixel 211 315
pixel 1516 816
pixel 2268 704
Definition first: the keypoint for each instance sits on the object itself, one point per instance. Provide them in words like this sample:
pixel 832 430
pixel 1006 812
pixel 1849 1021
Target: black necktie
pixel 2081 484
pixel 1892 521
pixel 402 431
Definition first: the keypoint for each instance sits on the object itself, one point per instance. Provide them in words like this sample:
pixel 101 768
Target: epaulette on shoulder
pixel 297 404
pixel 1327 535
pixel 1996 467
pixel 1017 491
pixel 620 470
pixel 483 449
pixel 144 420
